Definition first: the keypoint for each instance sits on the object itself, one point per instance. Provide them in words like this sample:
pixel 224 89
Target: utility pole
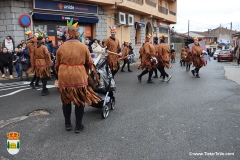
pixel 188 29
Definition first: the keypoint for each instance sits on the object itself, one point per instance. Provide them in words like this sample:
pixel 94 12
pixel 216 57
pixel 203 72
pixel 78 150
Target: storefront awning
pixel 58 17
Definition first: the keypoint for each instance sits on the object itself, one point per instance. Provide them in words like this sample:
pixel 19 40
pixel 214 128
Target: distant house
pixel 216 38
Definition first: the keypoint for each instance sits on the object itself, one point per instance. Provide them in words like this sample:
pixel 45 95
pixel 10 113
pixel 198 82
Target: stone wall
pixel 101 26
pixel 9 18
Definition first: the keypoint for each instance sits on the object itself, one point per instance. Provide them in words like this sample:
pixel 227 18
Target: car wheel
pixel 218 60
pixel 214 58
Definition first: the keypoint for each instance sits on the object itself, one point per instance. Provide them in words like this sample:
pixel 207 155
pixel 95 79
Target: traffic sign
pixel 25 20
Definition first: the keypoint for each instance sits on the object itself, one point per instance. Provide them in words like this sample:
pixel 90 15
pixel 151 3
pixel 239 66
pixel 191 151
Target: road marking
pixel 13 88
pixel 48 86
pixel 12 93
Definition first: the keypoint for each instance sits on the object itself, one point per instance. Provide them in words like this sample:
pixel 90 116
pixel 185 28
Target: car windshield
pixel 225 52
pixel 217 51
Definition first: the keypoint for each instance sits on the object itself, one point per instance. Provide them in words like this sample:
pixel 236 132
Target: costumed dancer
pixel 31 45
pixel 183 57
pixel 113 45
pixel 163 57
pixel 73 67
pixel 188 58
pixel 155 44
pixel 125 53
pixel 173 53
pixel 147 61
pixel 41 63
pixel 197 57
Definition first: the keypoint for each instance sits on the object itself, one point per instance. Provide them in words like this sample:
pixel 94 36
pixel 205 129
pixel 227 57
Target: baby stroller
pixel 105 91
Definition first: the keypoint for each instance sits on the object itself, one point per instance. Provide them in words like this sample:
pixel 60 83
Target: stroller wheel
pixel 112 104
pixel 105 111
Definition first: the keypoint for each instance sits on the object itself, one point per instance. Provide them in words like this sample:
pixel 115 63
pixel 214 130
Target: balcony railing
pixel 162 9
pixel 151 3
pixel 172 13
pixel 140 2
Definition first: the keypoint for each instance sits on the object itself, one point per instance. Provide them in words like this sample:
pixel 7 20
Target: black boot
pixel 129 70
pixel 139 78
pixel 79 111
pixel 123 67
pixel 149 77
pixel 44 90
pixel 197 76
pixel 193 72
pixel 67 109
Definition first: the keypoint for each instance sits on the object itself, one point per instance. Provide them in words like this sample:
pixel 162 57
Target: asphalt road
pixel 187 118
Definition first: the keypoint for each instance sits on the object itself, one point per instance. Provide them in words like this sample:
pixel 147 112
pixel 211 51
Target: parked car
pixel 215 55
pixel 225 55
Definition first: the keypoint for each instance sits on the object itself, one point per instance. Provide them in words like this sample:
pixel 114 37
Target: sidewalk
pixel 14 75
pixel 232 73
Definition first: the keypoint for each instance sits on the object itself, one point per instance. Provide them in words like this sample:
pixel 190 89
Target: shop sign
pixel 65 6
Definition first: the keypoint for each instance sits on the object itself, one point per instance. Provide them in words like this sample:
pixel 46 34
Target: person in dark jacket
pixel 23 61
pixel 15 62
pixel 49 45
pixel 6 61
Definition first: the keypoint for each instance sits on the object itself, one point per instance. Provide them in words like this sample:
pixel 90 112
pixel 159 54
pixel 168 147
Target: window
pixel 137 36
pixel 165 5
pixel 163 30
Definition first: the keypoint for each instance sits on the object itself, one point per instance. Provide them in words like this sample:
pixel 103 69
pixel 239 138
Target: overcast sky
pixel 207 14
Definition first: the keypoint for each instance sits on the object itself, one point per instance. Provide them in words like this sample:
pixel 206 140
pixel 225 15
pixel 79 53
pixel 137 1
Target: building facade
pixel 133 18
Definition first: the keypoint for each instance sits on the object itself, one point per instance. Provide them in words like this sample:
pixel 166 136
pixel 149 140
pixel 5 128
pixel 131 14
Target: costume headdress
pixel 126 42
pixel 73 29
pixel 149 35
pixel 162 37
pixel 38 34
pixel 28 33
pixel 195 38
pixel 113 28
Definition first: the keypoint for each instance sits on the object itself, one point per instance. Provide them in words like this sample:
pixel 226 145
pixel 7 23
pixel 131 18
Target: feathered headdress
pixel 73 29
pixel 113 28
pixel 195 38
pixel 70 24
pixel 162 37
pixel 38 34
pixel 28 33
pixel 149 35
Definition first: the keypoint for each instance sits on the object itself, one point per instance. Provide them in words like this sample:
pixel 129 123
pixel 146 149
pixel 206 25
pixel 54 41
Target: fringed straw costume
pixel 73 67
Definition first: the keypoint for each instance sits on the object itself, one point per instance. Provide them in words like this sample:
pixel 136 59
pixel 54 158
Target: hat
pixel 126 41
pixel 149 35
pixel 73 29
pixel 28 32
pixel 195 39
pixel 113 28
pixel 162 37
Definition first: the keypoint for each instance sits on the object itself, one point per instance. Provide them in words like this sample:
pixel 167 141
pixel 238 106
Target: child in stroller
pixel 105 91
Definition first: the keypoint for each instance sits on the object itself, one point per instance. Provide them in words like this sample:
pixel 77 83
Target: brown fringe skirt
pixel 79 95
pixel 42 72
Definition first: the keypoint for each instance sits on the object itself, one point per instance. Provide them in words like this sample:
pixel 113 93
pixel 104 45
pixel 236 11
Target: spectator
pixel 8 43
pixel 15 62
pixel 86 41
pixel 96 47
pixel 23 61
pixel 64 37
pixel 131 58
pixel 100 43
pixel 20 45
pixel 123 45
pixel 6 61
pixel 59 43
pixel 238 56
pixel 49 45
